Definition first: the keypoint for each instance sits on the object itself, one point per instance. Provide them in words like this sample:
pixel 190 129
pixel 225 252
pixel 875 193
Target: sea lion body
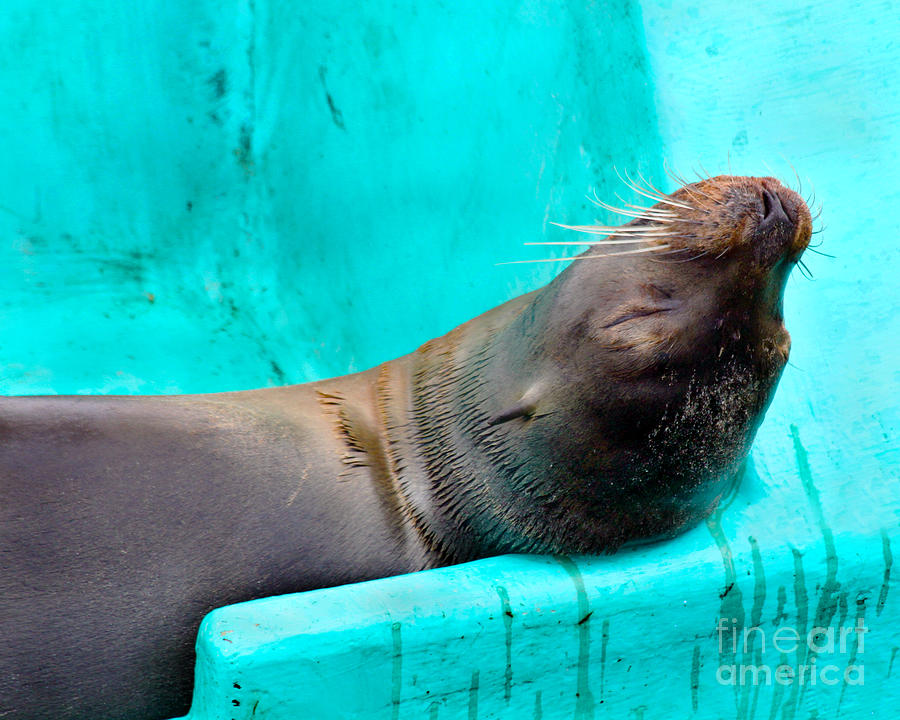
pixel 613 405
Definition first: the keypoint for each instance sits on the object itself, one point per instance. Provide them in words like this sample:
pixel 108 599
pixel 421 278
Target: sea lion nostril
pixel 773 210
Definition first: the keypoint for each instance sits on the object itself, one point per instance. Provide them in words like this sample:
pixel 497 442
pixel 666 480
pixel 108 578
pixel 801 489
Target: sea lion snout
pixel 784 226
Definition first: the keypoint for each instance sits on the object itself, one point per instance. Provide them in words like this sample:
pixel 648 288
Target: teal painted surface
pixel 216 196
pixel 353 175
pixel 633 636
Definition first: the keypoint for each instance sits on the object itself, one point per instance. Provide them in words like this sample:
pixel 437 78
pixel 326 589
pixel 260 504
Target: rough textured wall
pixel 200 196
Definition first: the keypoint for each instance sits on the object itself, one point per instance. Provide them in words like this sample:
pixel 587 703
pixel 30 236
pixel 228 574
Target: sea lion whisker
pixel 819 252
pixel 633 184
pixel 653 187
pixel 630 183
pixel 641 207
pixel 659 219
pixel 636 211
pixel 541 260
pixel 662 196
pixel 675 176
pixel 650 185
pixel 654 248
pixel 690 188
pixel 649 217
pixel 678 262
pixel 591 242
pixel 653 234
pixel 663 199
pixel 654 214
pixel 697 257
pixel 799 181
pixel 707 174
pixel 637 215
pixel 804 270
pixel 811 199
pixel 687 221
pixel 614 230
pixel 652 210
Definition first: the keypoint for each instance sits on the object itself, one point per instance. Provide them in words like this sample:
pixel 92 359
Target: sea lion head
pixel 754 229
pixel 621 401
pixel 703 266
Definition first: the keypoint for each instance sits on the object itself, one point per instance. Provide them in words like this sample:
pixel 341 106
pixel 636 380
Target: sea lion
pixel 616 403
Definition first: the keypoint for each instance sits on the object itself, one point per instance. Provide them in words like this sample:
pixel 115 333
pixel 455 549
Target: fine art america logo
pixel 825 656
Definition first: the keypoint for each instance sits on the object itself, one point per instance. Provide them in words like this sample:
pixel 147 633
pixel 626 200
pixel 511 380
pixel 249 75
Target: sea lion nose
pixel 773 211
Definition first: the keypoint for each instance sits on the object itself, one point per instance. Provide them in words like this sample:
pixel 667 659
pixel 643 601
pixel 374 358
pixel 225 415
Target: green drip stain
pixel 584 704
pixel 778 692
pixel 695 679
pixel 888 562
pixel 857 644
pixel 752 654
pixel 827 604
pixel 507 625
pixel 780 614
pixel 759 584
pixel 731 607
pixel 473 696
pixel 801 600
pixel 604 637
pixel 844 605
pixel 396 670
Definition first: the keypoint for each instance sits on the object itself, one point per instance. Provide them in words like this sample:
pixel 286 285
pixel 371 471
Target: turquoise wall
pixel 204 196
pixel 207 196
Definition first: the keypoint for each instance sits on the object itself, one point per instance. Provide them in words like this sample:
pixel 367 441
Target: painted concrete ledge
pixel 659 632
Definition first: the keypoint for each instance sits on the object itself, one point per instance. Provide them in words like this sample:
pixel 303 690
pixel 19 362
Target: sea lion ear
pixel 526 407
pixel 519 410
